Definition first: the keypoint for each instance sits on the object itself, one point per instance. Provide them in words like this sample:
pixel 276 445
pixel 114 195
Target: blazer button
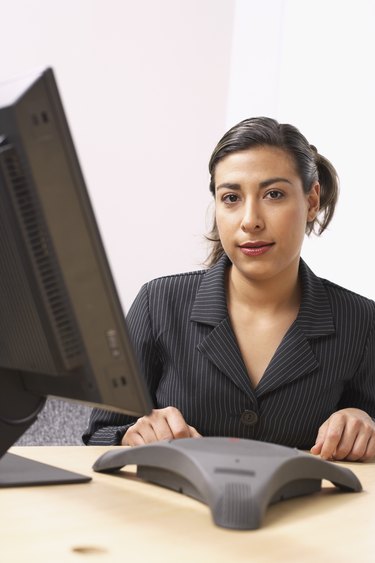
pixel 249 418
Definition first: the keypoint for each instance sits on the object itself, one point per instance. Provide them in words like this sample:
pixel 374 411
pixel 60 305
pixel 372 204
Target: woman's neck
pixel 268 295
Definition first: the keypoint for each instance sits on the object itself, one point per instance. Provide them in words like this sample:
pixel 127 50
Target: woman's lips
pixel 256 248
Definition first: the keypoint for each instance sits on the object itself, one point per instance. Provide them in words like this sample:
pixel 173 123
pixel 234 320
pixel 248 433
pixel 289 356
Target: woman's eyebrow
pixel 228 186
pixel 270 181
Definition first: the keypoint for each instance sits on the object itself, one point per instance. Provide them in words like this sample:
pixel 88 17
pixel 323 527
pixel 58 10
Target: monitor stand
pixel 19 409
pixel 18 471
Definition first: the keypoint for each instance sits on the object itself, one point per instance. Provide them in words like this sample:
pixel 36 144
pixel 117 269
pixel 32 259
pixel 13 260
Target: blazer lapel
pixel 220 345
pixel 295 357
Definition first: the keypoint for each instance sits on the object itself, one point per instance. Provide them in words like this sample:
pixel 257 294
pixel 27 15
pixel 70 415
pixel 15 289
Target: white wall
pixel 144 84
pixel 149 86
pixel 311 63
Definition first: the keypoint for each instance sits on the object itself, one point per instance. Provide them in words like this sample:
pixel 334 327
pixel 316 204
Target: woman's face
pixel 262 211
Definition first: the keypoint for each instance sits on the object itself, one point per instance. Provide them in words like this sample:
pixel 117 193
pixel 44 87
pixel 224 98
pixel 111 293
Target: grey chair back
pixel 60 423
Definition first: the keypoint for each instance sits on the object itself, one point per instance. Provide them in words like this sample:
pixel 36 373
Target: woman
pixel 256 346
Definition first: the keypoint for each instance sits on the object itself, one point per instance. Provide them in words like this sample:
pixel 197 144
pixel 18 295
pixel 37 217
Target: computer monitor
pixel 62 328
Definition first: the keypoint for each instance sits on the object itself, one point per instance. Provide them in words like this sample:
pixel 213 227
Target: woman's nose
pixel 251 220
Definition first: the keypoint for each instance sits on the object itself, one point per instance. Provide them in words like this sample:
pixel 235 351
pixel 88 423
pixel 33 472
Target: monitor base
pixel 18 471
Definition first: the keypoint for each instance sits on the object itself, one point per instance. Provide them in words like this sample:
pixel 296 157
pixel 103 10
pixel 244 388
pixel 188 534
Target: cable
pixel 27 419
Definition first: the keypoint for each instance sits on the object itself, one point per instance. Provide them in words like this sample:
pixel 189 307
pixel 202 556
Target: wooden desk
pixel 113 519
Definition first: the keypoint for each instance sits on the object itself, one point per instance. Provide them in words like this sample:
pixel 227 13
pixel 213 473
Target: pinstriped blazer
pixel 189 355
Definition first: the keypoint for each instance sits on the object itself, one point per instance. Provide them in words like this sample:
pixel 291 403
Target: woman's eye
pixel 274 194
pixel 230 198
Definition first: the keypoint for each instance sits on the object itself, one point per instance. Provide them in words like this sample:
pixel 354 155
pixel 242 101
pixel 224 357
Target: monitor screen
pixel 62 328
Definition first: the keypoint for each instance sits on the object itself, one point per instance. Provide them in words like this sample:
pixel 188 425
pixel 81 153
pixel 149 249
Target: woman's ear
pixel 313 199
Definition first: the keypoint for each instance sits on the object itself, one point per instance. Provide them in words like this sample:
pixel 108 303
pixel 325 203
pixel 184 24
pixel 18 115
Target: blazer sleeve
pixel 108 428
pixel 360 390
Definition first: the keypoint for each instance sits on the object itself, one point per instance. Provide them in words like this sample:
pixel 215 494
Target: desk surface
pixel 115 519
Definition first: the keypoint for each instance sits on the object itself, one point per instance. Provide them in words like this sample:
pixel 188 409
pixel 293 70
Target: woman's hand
pixel 348 434
pixel 161 424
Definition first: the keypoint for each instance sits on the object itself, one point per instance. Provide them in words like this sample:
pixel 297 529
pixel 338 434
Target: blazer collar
pixel 314 317
pixel 210 304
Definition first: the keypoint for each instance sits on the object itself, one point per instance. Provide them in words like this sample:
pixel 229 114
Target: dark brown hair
pixel 310 165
